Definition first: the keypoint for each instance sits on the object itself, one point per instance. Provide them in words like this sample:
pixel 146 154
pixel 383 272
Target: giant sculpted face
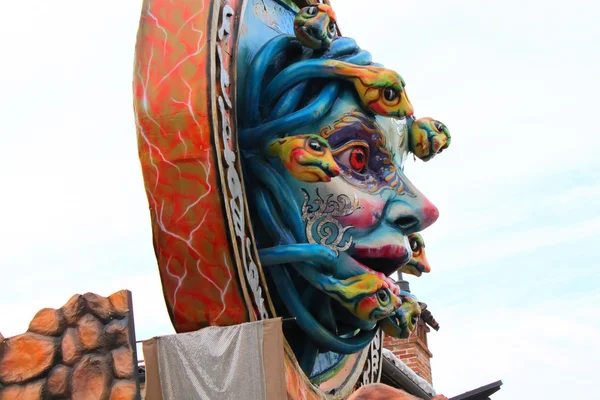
pixel 313 213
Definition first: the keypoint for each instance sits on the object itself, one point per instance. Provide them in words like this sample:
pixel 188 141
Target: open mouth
pixel 308 37
pixel 385 259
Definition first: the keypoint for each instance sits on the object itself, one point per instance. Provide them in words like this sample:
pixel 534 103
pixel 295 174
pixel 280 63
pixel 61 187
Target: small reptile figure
pixel 315 26
pixel 381 90
pixel 404 321
pixel 307 157
pixel 367 296
pixel 428 138
pixel 418 263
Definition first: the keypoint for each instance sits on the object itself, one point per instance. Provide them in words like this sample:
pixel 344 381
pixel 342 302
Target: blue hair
pixel 279 99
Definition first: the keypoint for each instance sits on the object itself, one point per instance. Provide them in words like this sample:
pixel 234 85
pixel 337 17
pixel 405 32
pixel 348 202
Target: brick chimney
pixel 414 351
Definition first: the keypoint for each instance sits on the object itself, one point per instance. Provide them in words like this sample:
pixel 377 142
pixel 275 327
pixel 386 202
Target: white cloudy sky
pixel 515 284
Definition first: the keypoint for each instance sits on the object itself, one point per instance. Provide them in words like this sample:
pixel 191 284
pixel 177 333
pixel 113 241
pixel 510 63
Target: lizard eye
pixel 332 26
pixel 390 94
pixel 383 296
pixel 314 145
pixel 414 320
pixel 311 11
pixel 439 126
pixel 414 245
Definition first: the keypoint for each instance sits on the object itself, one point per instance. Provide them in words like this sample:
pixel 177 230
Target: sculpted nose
pixel 411 214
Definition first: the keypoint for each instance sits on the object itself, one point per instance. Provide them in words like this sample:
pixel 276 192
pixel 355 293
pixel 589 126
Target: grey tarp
pixel 235 362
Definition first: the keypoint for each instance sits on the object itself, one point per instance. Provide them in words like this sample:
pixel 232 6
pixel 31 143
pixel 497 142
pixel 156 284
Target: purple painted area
pixel 381 172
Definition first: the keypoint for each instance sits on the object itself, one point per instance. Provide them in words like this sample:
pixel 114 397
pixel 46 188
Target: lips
pixel 385 259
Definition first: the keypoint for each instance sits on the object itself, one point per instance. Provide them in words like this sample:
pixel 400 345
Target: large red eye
pixel 358 159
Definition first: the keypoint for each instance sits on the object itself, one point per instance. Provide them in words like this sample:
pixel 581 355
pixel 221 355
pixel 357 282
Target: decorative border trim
pixel 372 371
pixel 225 25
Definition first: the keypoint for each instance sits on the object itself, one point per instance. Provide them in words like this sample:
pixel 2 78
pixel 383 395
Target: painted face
pixel 307 157
pixel 373 236
pixel 418 263
pixel 428 138
pixel 315 26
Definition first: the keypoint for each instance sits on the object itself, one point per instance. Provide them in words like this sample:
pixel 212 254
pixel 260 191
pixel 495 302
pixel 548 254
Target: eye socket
pixel 331 26
pixel 358 159
pixel 390 94
pixel 439 126
pixel 311 11
pixel 354 156
pixel 314 145
pixel 414 320
pixel 414 245
pixel 383 296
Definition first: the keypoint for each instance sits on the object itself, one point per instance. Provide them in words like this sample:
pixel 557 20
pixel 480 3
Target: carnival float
pixel 272 149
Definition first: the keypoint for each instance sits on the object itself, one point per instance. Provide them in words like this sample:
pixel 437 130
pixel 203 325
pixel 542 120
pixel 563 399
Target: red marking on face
pixel 368 304
pixel 335 170
pixel 328 10
pixel 389 251
pixel 378 108
pixel 365 217
pixel 358 159
pixel 298 154
pixel 430 213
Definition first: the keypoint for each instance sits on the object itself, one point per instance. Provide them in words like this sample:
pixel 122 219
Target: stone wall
pixel 82 351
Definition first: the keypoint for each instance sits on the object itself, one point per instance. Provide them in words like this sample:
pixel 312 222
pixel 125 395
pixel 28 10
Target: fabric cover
pixel 235 362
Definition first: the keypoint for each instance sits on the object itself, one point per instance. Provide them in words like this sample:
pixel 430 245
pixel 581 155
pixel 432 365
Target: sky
pixel 515 284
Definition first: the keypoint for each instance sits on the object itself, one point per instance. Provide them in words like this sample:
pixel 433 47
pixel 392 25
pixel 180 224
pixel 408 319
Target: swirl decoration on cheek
pixel 328 232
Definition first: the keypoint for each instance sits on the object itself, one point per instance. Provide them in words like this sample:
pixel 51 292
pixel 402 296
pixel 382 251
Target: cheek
pixel 368 304
pixel 367 216
pixel 378 107
pixel 297 154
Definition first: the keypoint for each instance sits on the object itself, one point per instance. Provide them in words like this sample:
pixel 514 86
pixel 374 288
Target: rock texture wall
pixel 82 351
